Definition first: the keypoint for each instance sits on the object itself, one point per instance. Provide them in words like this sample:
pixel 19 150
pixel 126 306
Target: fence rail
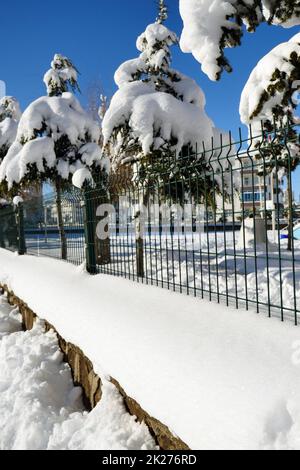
pixel 218 223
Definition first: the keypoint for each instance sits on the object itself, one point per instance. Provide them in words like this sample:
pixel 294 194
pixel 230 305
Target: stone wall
pixel 84 375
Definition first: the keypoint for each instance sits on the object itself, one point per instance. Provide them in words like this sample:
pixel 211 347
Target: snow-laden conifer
pixel 9 117
pixel 55 138
pixel 157 109
pixel 211 26
pixel 268 104
pixel 154 123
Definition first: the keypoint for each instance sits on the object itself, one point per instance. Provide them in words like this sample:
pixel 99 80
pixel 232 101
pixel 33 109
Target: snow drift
pixel 217 377
pixel 41 409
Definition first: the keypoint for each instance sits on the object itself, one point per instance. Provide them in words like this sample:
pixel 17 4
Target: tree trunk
pixel 139 243
pixel 290 214
pixel 104 256
pixel 140 270
pixel 61 228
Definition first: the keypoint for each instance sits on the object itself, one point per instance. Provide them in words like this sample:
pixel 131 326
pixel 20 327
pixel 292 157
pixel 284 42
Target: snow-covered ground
pixel 219 378
pixel 201 264
pixel 39 406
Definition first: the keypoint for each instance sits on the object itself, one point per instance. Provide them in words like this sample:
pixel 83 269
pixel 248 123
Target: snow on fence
pixel 219 223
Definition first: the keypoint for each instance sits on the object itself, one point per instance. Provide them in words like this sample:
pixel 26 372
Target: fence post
pixel 20 228
pixel 89 231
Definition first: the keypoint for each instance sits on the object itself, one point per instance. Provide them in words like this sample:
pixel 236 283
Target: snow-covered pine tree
pixel 270 89
pixel 268 104
pixel 9 117
pixel 156 113
pixel 61 77
pixel 157 110
pixel 55 138
pixel 212 26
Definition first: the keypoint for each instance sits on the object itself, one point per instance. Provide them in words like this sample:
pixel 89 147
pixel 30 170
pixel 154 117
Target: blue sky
pixel 98 35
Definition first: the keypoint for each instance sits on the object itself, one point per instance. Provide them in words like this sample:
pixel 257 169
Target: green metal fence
pixel 42 235
pixel 11 228
pixel 219 223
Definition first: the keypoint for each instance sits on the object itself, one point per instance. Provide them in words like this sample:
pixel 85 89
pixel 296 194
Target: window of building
pixel 256 197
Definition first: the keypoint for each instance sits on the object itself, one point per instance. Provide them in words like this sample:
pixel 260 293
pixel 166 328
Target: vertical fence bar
pixel 20 228
pixel 291 241
pixel 206 206
pixel 240 157
pixel 213 206
pixel 279 238
pixel 265 171
pixel 89 229
pixel 232 199
pixel 223 192
pixel 252 166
